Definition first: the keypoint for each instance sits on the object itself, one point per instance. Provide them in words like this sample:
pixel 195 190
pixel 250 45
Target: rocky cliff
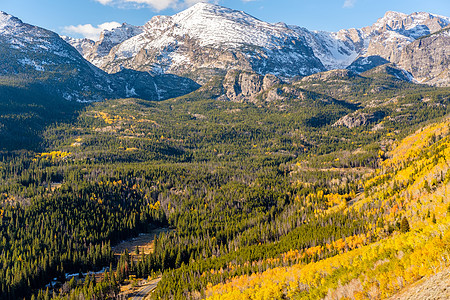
pixel 428 58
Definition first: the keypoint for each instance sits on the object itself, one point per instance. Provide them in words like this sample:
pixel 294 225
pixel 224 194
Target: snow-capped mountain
pixel 207 39
pixel 390 34
pixel 82 45
pixel 336 50
pixel 109 39
pixel 362 49
pixel 39 58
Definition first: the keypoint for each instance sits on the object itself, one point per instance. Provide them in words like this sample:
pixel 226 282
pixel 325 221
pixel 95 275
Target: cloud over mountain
pixel 90 31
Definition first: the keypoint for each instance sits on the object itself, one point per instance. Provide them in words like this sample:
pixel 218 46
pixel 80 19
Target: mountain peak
pixel 4 16
pixel 206 6
pixel 393 20
pixel 390 14
pixel 7 20
pixel 205 10
pixel 203 5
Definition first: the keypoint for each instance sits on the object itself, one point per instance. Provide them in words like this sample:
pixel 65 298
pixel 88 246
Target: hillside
pixel 393 253
pixel 243 181
pixel 43 80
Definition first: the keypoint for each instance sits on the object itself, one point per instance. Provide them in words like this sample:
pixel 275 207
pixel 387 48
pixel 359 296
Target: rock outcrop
pixel 359 118
pixel 241 86
pixel 428 58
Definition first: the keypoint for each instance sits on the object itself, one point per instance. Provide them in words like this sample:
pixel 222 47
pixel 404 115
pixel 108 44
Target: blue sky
pixel 87 17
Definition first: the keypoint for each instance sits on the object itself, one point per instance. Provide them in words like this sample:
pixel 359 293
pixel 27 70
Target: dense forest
pixel 249 190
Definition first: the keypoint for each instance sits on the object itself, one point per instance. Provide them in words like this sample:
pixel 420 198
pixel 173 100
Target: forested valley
pixel 263 200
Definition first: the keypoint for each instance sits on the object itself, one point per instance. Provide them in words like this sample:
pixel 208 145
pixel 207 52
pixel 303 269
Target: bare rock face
pixel 396 30
pixel 428 59
pixel 358 118
pixel 241 86
pixel 275 94
pixel 109 39
pixel 270 80
pixel 395 38
pixel 388 45
pixel 81 45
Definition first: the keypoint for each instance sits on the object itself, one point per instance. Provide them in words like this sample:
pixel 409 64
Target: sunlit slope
pixel 408 198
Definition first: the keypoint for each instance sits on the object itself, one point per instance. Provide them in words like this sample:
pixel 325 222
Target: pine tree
pixel 404 226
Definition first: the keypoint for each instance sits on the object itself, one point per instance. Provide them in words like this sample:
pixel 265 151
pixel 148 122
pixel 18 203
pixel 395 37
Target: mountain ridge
pixel 168 43
pixel 38 57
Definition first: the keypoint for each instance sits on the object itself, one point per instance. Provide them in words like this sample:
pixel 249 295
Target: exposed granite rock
pixel 109 39
pixel 394 31
pixel 358 118
pixel 241 86
pixel 270 81
pixel 81 45
pixel 428 59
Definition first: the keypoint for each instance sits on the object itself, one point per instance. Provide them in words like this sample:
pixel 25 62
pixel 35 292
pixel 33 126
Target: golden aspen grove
pixel 411 183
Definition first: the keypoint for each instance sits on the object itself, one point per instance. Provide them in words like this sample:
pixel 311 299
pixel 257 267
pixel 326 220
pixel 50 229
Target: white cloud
pixel 104 2
pixel 157 5
pixel 347 3
pixel 89 31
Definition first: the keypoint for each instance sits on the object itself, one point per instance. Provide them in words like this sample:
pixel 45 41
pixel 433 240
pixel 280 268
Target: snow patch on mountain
pixel 29 62
pixel 8 23
pixel 212 26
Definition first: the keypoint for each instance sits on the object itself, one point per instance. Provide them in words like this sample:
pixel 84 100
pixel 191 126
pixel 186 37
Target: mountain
pixel 44 80
pixel 96 51
pixel 390 34
pixel 207 39
pixel 82 45
pixel 427 58
pixel 40 59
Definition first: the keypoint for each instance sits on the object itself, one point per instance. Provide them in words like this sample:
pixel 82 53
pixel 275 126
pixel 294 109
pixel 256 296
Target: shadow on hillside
pixel 26 112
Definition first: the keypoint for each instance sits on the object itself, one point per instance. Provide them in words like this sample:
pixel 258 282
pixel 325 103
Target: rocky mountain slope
pixel 430 287
pixel 95 52
pixel 39 59
pixel 208 39
pixel 390 34
pixel 428 58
